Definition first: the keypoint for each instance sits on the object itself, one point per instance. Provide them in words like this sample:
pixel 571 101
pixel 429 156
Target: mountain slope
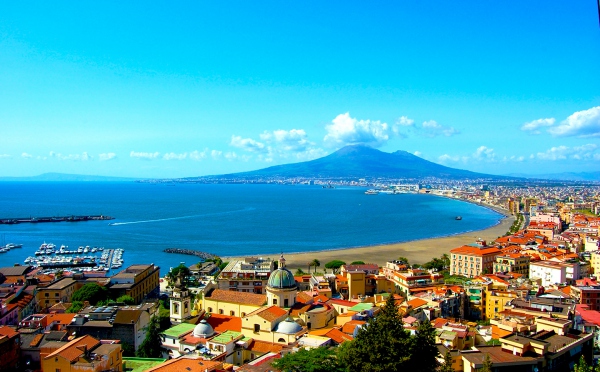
pixel 360 161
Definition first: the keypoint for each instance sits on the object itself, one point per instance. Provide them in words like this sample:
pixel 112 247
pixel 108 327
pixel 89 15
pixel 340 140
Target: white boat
pixel 371 192
pixel 13 245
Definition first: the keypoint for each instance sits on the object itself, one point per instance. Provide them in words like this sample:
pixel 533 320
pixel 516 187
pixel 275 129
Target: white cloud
pixel 287 140
pixel 198 155
pixel 5 156
pixel 174 156
pixel 107 156
pixel 584 152
pixel 584 123
pixel 418 153
pixel 345 130
pixel 247 144
pixel 432 128
pixel 405 121
pixel 26 155
pixel 216 154
pixel 144 155
pixel 74 157
pixel 534 126
pixel 484 153
pixel 448 159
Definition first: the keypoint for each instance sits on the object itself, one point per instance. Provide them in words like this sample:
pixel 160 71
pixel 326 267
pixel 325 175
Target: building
pixel 473 260
pixel 249 274
pixel 180 302
pixel 137 281
pixel 58 291
pixel 587 295
pixel 512 263
pixel 551 272
pixel 497 300
pixel 10 350
pixel 84 353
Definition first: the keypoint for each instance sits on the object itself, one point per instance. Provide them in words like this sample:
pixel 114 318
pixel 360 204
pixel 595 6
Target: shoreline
pixel 416 251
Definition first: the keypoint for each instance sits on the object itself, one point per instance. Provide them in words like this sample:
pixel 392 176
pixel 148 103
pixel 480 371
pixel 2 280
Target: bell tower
pixel 180 302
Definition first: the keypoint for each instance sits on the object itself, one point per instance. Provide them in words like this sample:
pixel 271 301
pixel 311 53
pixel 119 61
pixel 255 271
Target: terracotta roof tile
pixel 270 313
pixel 338 336
pixel 246 298
pixel 186 364
pixel 224 323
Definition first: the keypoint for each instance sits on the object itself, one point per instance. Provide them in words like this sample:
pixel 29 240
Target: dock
pixel 192 252
pixel 72 218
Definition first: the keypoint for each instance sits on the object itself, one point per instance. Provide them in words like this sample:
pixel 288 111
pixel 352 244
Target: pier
pixel 72 218
pixel 192 252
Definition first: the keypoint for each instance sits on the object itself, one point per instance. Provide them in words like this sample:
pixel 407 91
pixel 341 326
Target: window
pixel 210 310
pixel 221 311
pixel 274 301
pixel 232 313
pixel 256 328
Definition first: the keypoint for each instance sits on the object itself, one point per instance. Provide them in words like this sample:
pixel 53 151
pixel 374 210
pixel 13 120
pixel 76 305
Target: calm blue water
pixel 224 219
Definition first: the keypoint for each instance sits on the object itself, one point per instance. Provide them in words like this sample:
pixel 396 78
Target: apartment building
pixel 473 260
pixel 249 274
pixel 137 281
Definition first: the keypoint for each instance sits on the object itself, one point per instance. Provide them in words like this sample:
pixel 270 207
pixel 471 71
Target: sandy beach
pixel 419 251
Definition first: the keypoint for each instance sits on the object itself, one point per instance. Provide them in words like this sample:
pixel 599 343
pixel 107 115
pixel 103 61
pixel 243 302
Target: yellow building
pixel 271 324
pixel 595 263
pixel 137 281
pixel 84 354
pixel 496 301
pixel 512 262
pixel 219 301
pixel 59 291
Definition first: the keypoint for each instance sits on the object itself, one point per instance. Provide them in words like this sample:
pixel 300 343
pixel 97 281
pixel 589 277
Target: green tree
pixel 299 272
pixel 315 263
pixel 334 265
pixel 75 307
pixel 423 350
pixel 447 365
pixel 174 273
pixel 128 349
pixel 164 316
pixel 91 292
pixel 582 366
pixel 487 364
pixel 320 359
pixel 382 345
pixel 357 263
pixel 151 347
pixel 126 299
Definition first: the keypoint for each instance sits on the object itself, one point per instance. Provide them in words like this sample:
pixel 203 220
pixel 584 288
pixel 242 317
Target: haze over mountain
pixel 65 177
pixel 359 161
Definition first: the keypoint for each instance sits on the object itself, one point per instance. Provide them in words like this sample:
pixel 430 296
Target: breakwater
pixel 10 221
pixel 191 252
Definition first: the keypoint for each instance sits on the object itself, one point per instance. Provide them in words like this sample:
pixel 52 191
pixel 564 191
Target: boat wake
pixel 183 217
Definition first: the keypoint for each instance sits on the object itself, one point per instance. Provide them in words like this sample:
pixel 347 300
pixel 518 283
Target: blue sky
pixel 156 89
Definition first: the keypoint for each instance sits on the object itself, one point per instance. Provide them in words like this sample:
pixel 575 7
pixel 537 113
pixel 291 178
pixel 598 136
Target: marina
pixel 84 258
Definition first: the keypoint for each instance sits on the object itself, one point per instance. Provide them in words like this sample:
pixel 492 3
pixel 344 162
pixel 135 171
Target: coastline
pixel 417 251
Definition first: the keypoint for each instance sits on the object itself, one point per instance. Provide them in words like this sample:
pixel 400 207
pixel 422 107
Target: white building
pixel 551 272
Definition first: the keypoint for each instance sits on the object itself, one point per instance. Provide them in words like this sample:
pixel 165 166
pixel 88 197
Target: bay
pixel 226 220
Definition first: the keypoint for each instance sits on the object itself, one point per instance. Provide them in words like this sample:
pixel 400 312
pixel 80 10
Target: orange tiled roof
pixel 246 298
pixel 416 302
pixel 61 318
pixel 186 364
pixel 70 351
pixel 338 336
pixel 7 331
pixel 264 347
pixel 223 323
pixel 349 327
pixel 476 251
pixel 270 313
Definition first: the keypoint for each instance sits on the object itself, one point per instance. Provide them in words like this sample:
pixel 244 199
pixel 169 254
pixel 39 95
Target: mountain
pixel 358 161
pixel 64 177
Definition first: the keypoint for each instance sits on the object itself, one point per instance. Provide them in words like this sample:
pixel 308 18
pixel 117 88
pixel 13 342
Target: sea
pixel 223 219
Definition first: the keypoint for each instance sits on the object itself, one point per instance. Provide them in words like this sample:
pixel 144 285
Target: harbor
pixel 12 221
pixel 82 259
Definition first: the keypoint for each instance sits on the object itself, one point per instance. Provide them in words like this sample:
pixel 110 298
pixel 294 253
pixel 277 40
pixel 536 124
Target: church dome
pixel 288 326
pixel 203 329
pixel 282 278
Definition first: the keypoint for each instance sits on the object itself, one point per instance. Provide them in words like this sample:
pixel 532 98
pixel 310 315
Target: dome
pixel 282 278
pixel 203 329
pixel 288 327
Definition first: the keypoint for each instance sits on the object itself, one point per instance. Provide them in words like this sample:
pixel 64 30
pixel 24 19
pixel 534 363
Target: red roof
pixel 223 323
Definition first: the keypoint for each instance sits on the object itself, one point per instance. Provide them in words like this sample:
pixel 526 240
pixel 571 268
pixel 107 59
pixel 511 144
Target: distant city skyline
pixel 142 89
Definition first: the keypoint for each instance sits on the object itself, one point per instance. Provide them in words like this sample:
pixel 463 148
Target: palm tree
pixel 316 263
